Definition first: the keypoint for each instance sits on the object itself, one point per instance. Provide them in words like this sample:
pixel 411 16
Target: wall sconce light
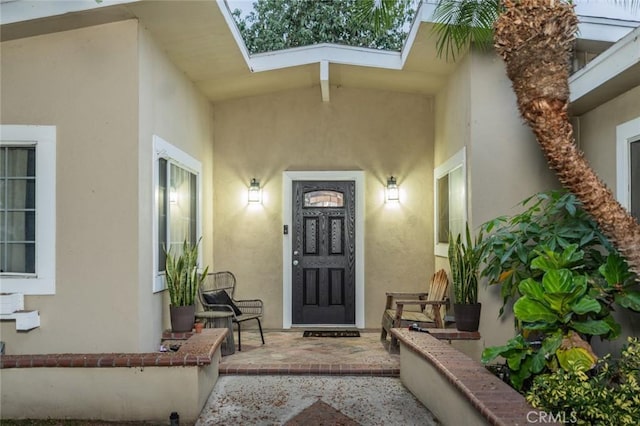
pixel 393 192
pixel 255 193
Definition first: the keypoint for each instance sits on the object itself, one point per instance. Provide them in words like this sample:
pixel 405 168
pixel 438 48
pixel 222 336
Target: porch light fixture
pixel 255 193
pixel 393 192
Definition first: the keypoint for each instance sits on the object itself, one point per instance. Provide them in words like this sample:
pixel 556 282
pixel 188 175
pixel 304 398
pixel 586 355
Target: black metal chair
pixel 216 293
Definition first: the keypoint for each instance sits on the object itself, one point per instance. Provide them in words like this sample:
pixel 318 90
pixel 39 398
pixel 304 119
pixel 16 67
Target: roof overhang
pixel 20 18
pixel 613 72
pixel 201 39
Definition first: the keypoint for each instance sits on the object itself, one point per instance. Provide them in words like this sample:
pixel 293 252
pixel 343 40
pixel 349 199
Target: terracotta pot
pixel 198 326
pixel 182 318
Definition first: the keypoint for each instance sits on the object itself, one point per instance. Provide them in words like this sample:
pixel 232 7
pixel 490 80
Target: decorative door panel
pixel 323 269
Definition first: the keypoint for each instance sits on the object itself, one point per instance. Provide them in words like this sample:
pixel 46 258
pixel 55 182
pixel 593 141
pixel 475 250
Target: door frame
pixel 288 177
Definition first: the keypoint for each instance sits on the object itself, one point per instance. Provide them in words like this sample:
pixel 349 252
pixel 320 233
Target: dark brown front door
pixel 323 288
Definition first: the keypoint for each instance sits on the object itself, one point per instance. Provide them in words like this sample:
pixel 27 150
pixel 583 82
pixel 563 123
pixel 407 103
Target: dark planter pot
pixel 467 316
pixel 182 318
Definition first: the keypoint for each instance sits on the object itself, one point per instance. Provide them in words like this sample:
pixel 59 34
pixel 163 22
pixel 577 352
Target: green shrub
pixel 609 395
pixel 553 219
pixel 557 307
pixel 564 278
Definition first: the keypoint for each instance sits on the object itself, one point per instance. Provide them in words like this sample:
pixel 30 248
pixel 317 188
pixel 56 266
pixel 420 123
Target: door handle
pixel 295 263
pixel 295 252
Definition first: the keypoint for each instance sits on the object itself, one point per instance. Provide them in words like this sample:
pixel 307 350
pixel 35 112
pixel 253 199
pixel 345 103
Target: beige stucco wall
pixel 381 133
pixel 113 393
pixel 447 404
pixel 597 138
pixel 108 89
pixel 453 125
pixel 597 133
pixel 453 113
pixel 477 109
pixel 85 83
pixel 172 108
pixel 505 166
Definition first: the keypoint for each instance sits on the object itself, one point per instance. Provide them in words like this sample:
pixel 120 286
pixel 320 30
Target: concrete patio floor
pixel 287 352
pixel 295 380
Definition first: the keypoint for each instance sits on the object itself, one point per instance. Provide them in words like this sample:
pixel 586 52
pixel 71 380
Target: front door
pixel 323 257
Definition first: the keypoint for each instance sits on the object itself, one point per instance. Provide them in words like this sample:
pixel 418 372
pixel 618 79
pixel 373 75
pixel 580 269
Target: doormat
pixel 331 333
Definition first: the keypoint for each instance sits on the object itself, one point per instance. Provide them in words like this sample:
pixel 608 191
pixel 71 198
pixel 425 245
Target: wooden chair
pixel 397 317
pixel 217 294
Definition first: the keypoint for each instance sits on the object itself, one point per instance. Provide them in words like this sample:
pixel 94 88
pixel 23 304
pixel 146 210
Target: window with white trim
pixel 176 204
pixel 27 209
pixel 450 212
pixel 628 166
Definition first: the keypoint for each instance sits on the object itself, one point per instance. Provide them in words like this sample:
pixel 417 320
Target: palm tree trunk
pixel 535 39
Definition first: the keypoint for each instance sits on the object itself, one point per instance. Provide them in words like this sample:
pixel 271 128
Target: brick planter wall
pixel 115 387
pixel 455 388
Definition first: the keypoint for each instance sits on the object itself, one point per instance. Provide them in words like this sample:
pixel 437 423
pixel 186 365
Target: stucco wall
pixel 108 89
pixel 505 166
pixel 114 394
pixel 597 135
pixel 453 125
pixel 172 108
pixel 381 133
pixel 453 113
pixel 477 109
pixel 447 404
pixel 597 138
pixel 85 83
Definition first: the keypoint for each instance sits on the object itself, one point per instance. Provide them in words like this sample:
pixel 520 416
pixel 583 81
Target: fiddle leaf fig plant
pixel 619 283
pixel 559 306
pixel 556 221
pixel 565 279
pixel 553 219
pixel 560 299
pixel 526 359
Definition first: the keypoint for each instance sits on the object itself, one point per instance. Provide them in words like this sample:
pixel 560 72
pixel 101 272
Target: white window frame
pixel 457 161
pixel 163 149
pixel 626 133
pixel 43 282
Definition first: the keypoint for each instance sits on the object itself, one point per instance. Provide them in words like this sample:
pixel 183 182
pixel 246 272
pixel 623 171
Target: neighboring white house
pixel 110 107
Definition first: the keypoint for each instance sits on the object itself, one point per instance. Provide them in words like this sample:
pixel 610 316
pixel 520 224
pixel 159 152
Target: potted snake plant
pixel 183 280
pixel 464 259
